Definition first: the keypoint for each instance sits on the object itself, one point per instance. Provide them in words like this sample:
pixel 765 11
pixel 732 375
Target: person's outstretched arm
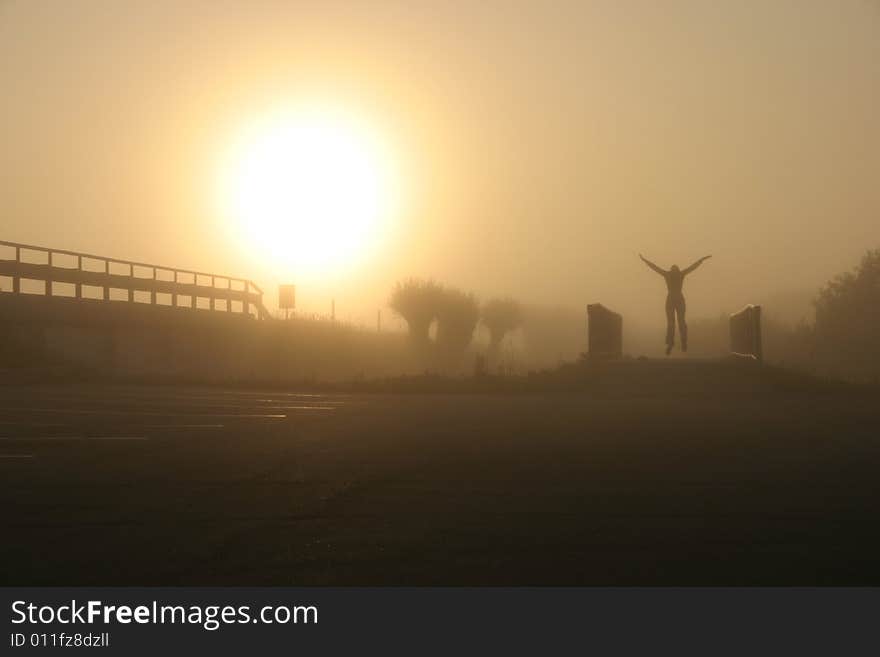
pixel 652 265
pixel 696 264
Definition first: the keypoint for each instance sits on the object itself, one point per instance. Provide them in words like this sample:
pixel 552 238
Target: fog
pixel 541 146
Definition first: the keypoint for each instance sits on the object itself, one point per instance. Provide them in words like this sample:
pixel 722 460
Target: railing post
pixel 131 283
pixel 174 294
pixel 107 274
pixel 213 281
pixel 78 286
pixel 47 284
pixel 229 296
pixel 192 297
pixel 153 291
pixel 756 327
pixel 16 280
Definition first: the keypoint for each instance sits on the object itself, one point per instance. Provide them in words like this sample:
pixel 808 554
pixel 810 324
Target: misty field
pixel 670 474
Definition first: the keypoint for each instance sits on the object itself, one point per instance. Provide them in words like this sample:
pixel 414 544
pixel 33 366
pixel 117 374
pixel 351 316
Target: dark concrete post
pixel 604 332
pixel 131 283
pixel 107 275
pixel 78 286
pixel 16 280
pixel 153 291
pixel 745 333
pixel 47 284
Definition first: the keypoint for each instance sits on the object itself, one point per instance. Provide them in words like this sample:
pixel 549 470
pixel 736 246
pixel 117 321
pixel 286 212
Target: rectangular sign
pixel 287 297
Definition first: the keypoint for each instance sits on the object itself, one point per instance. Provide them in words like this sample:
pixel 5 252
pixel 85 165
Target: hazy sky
pixel 542 145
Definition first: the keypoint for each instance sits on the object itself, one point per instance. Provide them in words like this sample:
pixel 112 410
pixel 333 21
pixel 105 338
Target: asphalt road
pixel 164 485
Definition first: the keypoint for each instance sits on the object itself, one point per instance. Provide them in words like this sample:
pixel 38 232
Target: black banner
pixel 705 621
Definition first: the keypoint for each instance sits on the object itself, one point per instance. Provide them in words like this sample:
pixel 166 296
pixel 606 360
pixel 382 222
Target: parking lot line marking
pixel 184 426
pixel 53 438
pixel 84 411
pixel 311 408
pixel 31 424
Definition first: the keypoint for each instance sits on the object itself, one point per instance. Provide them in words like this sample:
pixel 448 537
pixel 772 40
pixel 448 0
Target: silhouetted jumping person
pixel 675 300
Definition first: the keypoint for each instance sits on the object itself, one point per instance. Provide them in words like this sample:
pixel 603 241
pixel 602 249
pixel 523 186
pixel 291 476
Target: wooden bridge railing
pixel 139 277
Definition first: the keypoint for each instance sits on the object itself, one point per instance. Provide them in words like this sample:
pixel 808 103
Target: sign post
pixel 286 299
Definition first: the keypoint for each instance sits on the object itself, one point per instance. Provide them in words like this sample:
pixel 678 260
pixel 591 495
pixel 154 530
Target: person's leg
pixel 682 325
pixel 670 325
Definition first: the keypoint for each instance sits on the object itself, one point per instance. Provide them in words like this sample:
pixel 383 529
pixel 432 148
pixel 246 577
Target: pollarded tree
pixel 500 316
pixel 848 321
pixel 458 315
pixel 418 302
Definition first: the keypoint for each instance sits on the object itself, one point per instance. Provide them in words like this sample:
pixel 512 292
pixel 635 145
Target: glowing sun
pixel 312 189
